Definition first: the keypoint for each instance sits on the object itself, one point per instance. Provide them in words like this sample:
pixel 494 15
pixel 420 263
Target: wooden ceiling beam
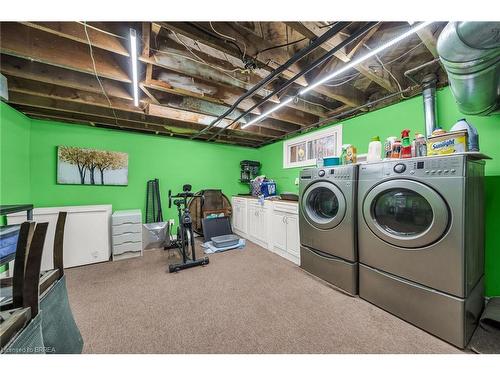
pixel 214 109
pixel 46 114
pixel 189 68
pixel 429 39
pixel 310 29
pixel 83 98
pixel 35 45
pixel 31 70
pixel 76 31
pixel 183 115
pixel 88 113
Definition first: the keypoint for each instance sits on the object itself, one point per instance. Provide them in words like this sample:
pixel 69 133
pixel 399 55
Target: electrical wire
pixel 230 38
pixel 404 54
pixel 344 82
pixel 96 75
pixel 279 46
pixel 218 37
pixel 388 72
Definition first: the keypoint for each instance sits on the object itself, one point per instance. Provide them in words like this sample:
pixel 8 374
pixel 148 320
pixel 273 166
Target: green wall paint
pixel 409 114
pixel 174 161
pixel 14 156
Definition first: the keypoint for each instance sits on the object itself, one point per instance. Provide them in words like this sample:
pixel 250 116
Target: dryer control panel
pixel 346 172
pixel 423 167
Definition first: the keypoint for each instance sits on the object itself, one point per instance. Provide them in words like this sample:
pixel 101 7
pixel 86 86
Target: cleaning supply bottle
pixel 405 144
pixel 374 150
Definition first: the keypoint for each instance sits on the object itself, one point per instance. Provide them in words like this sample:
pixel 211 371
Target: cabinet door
pixel 292 235
pixel 263 226
pixel 238 217
pixel 279 231
pixel 253 225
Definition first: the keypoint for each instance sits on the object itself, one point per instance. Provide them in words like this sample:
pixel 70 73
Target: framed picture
pixel 87 166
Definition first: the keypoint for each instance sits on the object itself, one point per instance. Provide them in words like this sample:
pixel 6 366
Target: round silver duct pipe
pixel 470 53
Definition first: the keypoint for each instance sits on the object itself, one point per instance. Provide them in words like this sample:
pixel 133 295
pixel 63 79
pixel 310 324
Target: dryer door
pixel 406 213
pixel 323 205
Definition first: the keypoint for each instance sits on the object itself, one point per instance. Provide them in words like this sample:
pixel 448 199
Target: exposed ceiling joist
pixel 144 121
pixel 76 31
pixel 311 30
pixel 429 39
pixel 85 98
pixel 25 42
pixel 31 70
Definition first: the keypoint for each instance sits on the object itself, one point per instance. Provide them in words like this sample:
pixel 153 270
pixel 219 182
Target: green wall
pixel 14 156
pixel 174 161
pixel 409 114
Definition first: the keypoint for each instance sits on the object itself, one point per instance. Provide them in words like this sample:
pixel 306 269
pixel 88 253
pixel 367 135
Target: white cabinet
pixel 292 236
pixel 278 231
pixel 239 216
pixel 126 230
pixel 257 223
pixel 285 231
pixel 274 225
pixel 86 233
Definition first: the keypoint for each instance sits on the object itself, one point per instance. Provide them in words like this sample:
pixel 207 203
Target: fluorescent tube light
pixel 346 67
pixel 365 57
pixel 258 118
pixel 133 56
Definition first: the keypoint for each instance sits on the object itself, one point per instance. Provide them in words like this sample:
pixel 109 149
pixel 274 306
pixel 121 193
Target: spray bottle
pixel 405 144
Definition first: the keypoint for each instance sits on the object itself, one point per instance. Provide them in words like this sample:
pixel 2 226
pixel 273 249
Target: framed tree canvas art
pixel 86 166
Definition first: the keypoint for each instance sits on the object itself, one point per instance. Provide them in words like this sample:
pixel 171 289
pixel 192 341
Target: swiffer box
pixel 447 143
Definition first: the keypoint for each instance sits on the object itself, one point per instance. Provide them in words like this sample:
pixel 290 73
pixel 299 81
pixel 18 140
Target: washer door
pixel 323 205
pixel 406 213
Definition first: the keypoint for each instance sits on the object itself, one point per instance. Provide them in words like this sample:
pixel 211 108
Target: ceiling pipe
pixel 334 30
pixel 430 111
pixel 357 34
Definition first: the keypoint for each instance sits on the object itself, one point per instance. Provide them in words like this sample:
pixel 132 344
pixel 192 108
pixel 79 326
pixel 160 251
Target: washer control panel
pixel 423 167
pixel 342 172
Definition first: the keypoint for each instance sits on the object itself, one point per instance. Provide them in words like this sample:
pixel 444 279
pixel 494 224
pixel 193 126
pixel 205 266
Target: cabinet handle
pixel 286 219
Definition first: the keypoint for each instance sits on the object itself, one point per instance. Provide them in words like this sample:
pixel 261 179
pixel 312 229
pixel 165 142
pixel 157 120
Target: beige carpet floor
pixel 247 301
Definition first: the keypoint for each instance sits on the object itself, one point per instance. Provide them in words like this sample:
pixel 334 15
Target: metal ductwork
pixel 470 53
pixel 429 96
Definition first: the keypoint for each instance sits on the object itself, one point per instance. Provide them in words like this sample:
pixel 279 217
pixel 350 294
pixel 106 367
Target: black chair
pixel 20 327
pixel 60 332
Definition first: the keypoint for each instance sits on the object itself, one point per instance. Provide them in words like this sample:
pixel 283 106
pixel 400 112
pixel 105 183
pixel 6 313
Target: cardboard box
pixel 447 143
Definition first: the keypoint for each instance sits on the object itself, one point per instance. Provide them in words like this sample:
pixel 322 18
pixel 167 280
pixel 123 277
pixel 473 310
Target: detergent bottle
pixel 374 150
pixel 405 144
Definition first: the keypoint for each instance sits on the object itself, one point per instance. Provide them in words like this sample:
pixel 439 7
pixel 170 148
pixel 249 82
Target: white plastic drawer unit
pixel 126 230
pixel 119 239
pixel 126 217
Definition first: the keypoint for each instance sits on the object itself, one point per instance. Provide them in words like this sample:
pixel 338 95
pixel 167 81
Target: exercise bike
pixel 185 238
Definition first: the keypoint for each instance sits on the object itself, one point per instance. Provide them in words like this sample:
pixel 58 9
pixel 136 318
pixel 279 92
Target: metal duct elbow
pixel 470 53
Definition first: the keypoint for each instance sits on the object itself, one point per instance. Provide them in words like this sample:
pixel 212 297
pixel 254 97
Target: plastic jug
pixel 472 134
pixel 374 150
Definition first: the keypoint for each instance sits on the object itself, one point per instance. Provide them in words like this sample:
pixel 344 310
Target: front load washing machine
pixel 421 241
pixel 327 222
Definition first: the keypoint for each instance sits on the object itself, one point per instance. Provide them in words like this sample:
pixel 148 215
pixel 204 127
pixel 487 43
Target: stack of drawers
pixel 126 234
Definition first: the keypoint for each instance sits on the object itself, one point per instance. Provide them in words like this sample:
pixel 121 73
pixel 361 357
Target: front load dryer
pixel 421 241
pixel 327 222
